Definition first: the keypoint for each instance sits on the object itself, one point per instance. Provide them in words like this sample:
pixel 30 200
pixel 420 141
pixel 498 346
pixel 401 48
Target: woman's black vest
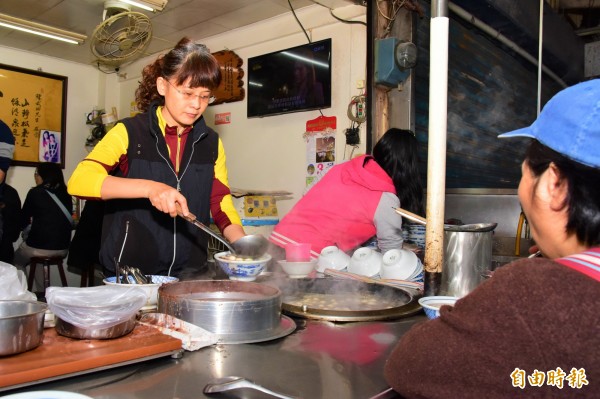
pixel 137 233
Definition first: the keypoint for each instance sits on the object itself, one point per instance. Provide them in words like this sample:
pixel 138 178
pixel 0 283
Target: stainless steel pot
pixel 236 311
pixel 467 257
pixel 21 326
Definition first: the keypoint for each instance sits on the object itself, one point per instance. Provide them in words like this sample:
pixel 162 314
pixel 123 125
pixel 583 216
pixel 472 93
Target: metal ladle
pixel 250 246
pixel 229 383
pixel 479 227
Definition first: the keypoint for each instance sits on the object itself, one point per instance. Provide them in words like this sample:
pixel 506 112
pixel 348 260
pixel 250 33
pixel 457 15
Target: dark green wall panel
pixel 490 91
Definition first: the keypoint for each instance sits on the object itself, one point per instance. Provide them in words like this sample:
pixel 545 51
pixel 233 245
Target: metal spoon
pixel 229 383
pixel 251 246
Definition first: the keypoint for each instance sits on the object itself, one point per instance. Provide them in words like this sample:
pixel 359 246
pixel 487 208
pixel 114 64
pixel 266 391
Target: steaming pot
pixel 467 256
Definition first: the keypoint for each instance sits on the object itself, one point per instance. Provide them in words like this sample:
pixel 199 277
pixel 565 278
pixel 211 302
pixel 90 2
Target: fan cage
pixel 121 37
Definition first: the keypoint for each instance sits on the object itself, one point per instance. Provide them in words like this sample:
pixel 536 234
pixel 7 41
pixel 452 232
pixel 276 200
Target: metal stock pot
pixel 467 257
pixel 236 311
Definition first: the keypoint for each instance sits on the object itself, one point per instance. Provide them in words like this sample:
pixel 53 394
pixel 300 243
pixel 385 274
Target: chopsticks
pixel 412 216
pixel 389 282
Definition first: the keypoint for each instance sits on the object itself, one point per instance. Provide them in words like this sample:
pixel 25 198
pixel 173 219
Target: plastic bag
pixel 13 284
pixel 95 307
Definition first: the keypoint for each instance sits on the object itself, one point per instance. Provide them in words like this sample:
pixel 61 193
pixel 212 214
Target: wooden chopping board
pixel 60 356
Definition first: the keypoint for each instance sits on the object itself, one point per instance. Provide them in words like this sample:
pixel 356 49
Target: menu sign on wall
pixel 320 148
pixel 32 104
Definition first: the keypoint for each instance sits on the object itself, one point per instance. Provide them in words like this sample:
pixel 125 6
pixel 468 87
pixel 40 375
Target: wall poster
pixel 33 105
pixel 320 148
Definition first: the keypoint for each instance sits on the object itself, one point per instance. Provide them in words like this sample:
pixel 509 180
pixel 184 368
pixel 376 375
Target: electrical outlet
pixel 360 110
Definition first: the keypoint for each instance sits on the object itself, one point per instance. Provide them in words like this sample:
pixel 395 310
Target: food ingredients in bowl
pixel 242 270
pixel 432 304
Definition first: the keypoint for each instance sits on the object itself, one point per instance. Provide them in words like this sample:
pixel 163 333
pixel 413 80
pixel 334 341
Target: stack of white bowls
pixel 397 264
pixel 365 261
pixel 332 258
pixel 401 264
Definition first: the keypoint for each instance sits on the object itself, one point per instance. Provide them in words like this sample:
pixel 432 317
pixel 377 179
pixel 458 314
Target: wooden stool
pixel 46 262
pixel 87 275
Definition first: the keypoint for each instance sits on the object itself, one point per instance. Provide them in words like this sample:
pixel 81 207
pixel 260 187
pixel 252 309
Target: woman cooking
pixel 354 201
pixel 164 158
pixel 532 329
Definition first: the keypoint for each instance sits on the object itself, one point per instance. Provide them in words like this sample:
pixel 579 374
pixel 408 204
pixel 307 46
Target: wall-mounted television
pixel 291 80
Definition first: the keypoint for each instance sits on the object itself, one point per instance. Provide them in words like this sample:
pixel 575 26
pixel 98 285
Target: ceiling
pixel 200 19
pixel 197 19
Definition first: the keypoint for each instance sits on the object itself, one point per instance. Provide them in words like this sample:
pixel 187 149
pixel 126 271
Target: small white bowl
pixel 241 270
pixel 400 264
pixel 298 269
pixel 151 289
pixel 365 261
pixel 432 304
pixel 332 258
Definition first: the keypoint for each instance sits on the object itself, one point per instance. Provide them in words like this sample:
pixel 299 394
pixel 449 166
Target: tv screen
pixel 291 80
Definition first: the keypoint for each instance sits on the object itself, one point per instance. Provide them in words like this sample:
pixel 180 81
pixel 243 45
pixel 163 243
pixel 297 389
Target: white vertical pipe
pixel 540 47
pixel 436 166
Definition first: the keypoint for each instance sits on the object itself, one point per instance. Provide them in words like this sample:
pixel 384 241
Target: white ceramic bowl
pixel 332 258
pixel 432 304
pixel 399 264
pixel 151 289
pixel 365 261
pixel 298 269
pixel 241 270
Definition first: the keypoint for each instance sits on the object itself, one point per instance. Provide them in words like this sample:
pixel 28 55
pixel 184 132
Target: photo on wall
pixel 49 147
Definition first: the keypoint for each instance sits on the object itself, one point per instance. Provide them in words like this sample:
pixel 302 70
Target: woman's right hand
pixel 162 196
pixel 165 198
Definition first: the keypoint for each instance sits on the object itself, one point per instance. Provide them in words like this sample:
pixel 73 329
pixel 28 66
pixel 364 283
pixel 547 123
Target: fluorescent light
pixel 148 5
pixel 41 30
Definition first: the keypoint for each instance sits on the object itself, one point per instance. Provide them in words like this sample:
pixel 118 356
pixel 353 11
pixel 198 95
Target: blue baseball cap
pixel 569 124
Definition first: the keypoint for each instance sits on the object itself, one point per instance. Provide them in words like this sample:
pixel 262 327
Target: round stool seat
pixel 46 262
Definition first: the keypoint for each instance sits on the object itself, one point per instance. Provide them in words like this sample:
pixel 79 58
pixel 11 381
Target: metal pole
pixel 436 166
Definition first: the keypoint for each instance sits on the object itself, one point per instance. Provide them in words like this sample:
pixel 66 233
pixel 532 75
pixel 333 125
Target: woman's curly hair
pixel 187 60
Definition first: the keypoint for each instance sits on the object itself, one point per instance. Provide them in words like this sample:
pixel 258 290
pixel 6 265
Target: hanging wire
pixel 338 18
pixel 345 20
pixel 299 23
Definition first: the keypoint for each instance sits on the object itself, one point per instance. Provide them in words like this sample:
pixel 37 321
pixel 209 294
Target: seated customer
pixel 84 251
pixel 50 228
pixel 11 223
pixel 354 201
pixel 532 329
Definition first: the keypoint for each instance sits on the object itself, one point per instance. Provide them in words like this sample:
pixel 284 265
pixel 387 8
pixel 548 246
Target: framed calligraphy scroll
pixel 33 105
pixel 231 88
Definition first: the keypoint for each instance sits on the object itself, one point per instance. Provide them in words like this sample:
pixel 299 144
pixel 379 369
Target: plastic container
pixel 297 252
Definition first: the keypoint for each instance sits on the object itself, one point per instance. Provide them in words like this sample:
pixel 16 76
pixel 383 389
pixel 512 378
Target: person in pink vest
pixel 354 201
pixel 532 330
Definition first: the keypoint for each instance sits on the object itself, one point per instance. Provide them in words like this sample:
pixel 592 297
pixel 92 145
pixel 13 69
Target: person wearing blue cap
pixel 532 329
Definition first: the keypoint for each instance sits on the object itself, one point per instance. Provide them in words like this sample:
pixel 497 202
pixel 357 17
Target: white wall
pixel 82 95
pixel 269 153
pixel 83 87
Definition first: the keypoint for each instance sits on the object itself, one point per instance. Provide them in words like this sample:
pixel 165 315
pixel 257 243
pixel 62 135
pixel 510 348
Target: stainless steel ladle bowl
pixel 251 246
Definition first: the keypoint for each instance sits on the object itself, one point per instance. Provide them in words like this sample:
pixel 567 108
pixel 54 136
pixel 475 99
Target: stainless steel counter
pixel 320 359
